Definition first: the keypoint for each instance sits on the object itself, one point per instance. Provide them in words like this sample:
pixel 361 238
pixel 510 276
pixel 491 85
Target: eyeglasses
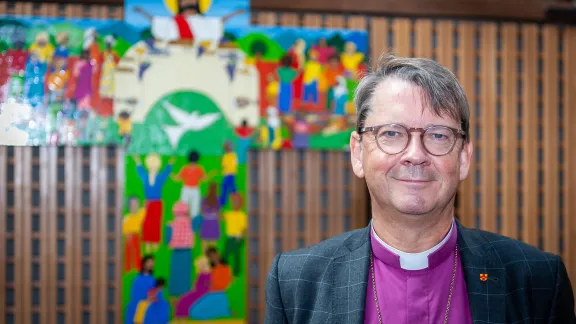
pixel 394 138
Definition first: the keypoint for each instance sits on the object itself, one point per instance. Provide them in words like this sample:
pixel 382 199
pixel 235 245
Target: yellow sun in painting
pixel 172 5
pixel 204 5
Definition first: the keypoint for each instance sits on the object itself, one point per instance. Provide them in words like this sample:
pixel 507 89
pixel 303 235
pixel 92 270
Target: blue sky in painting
pixel 286 36
pixel 157 7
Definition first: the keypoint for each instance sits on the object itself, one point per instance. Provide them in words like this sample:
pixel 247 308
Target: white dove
pixel 186 122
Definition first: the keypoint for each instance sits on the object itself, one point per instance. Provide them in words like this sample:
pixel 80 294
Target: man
pixel 415 263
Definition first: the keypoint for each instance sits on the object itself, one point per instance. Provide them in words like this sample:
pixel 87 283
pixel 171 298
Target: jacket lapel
pixel 485 277
pixel 349 277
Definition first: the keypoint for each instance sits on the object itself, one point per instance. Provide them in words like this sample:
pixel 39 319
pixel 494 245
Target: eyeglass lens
pixel 393 139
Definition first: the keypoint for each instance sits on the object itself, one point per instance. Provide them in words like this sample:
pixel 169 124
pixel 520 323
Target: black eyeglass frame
pixel 409 130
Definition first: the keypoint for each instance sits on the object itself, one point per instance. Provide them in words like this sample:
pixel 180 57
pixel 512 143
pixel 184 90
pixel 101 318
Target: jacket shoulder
pixel 516 256
pixel 314 258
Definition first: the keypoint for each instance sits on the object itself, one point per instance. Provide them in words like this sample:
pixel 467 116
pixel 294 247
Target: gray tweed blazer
pixel 326 282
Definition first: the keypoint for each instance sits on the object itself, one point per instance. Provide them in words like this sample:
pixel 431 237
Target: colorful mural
pixel 57 80
pixel 185 238
pixel 307 82
pixel 187 96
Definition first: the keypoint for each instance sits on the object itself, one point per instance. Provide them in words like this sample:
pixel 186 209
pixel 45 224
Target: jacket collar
pixel 478 256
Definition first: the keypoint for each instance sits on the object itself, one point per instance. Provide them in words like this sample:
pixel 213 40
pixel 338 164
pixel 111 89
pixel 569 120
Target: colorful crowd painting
pixel 185 238
pixel 187 93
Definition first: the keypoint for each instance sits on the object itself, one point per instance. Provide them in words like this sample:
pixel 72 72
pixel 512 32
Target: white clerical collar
pixel 412 261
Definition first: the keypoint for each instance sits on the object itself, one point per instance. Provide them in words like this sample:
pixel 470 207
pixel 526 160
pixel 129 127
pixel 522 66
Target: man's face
pixel 149 266
pixel 411 182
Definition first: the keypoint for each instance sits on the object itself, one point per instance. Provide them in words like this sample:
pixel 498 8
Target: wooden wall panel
pixel 423 30
pixel 5 232
pixel 568 122
pixel 54 238
pixel 297 199
pixel 529 157
pixel 401 29
pixel 550 142
pixel 464 67
pixel 379 42
pixel 509 125
pixel 488 128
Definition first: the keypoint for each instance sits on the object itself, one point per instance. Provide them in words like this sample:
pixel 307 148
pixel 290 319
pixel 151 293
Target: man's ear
pixel 356 154
pixel 466 155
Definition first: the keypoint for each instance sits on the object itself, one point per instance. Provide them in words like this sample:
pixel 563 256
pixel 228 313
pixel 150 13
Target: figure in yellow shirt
pixel 236 222
pixel 42 48
pixel 229 171
pixel 131 228
pixel 351 60
pixel 312 73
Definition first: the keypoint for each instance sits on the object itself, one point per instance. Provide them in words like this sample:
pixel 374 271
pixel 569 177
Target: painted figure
pixel 312 74
pixel 109 62
pixel 245 134
pixel 192 175
pixel 131 229
pixel 141 285
pixel 153 179
pixel 83 74
pixel 210 230
pixel 215 303
pixel 229 172
pixel 201 288
pixel 236 224
pixel 287 76
pixel 155 309
pixel 180 239
pixel 189 25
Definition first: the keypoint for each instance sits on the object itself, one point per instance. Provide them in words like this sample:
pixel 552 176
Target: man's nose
pixel 415 153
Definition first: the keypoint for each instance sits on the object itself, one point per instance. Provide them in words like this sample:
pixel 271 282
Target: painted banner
pixel 186 96
pixel 57 79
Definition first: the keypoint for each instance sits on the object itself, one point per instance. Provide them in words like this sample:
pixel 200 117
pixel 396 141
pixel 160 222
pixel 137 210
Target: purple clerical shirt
pixel 417 296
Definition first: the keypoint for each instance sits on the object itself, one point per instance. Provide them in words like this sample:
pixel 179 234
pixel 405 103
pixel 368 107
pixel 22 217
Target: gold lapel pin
pixel 483 276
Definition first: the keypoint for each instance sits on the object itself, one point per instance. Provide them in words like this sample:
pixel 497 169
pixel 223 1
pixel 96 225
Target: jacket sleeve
pixel 563 304
pixel 274 306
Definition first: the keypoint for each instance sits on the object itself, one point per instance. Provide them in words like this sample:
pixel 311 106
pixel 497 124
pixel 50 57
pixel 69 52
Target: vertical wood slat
pixel 423 38
pixel 529 134
pixel 266 209
pixel 378 39
pixel 445 43
pixel 289 19
pixel 76 238
pixel 401 28
pixel 69 213
pixel 509 141
pixel 101 237
pixel 312 20
pixel 3 230
pixel 19 252
pixel 357 22
pixel 95 203
pixel 488 99
pixel 52 224
pixel 120 172
pixel 569 115
pixel 312 206
pixel 289 211
pixel 26 244
pixel 44 219
pixel 335 21
pixel 466 76
pixel 336 203
pixel 551 146
pixel 266 18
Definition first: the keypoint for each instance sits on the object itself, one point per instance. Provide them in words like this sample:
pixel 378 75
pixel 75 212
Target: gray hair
pixel 442 91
